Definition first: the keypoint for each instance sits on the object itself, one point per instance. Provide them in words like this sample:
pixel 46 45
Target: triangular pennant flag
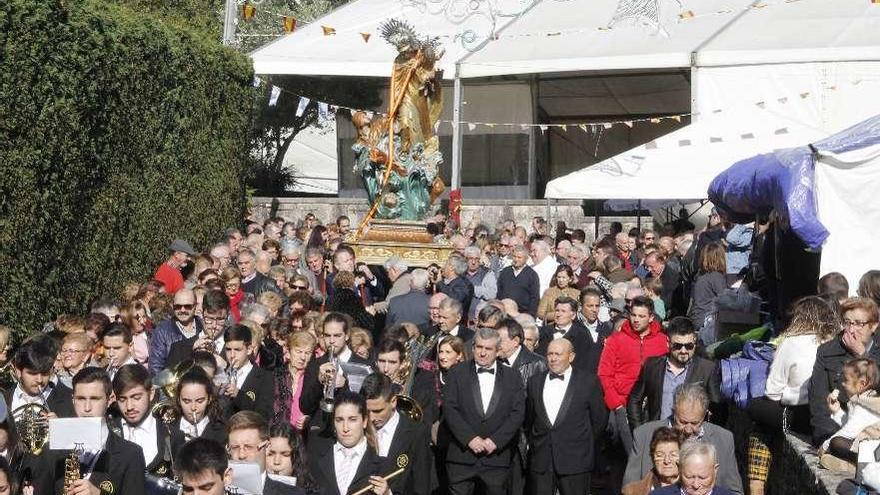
pixel 543 128
pixel 301 107
pixel 273 95
pixel 524 127
pixel 257 81
pixel 628 123
pixel 651 146
pixel 782 100
pixel 655 121
pixel 323 111
pixel 676 118
pixel 805 95
pixel 248 11
pixel 328 31
pixel 684 142
pixel 492 125
pixel 289 23
pixel 557 33
pixel 366 37
pixel 607 125
pixel 687 14
pixel 564 128
pixel 716 140
pixel 781 131
pixel 747 135
pixel 760 104
pixel 583 127
pixel 471 126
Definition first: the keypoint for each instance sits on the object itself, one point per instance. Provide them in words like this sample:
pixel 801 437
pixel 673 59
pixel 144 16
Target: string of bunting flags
pixel 289 22
pixel 326 111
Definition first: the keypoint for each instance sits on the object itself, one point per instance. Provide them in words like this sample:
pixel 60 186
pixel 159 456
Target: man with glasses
pixel 184 325
pixel 76 351
pixel 215 316
pixel 248 439
pixel 169 272
pixel 252 281
pixel 651 396
pixel 505 251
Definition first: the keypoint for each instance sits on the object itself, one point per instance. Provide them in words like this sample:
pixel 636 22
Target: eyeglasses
pixel 677 346
pixel 246 450
pixel 72 351
pixel 299 287
pixel 290 260
pixel 184 306
pixel 855 323
pixel 666 456
pixel 214 321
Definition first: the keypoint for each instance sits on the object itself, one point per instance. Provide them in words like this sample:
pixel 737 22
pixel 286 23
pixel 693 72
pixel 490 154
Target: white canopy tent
pixel 725 44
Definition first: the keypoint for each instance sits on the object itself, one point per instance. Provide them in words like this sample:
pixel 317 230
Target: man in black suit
pixel 483 409
pixel 250 388
pixel 134 395
pixel 455 285
pixel 215 313
pixel 651 396
pixel 335 333
pixel 520 283
pixel 397 434
pixel 202 467
pixel 566 325
pixel 565 415
pixel 450 323
pixel 248 438
pixel 597 331
pixel 118 467
pixel 513 354
pixel 389 361
pixel 412 306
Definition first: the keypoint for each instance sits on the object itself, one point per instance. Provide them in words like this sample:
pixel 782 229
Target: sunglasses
pixel 677 346
pixel 184 306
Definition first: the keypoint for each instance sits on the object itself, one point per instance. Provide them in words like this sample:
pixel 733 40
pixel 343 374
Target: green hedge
pixel 118 132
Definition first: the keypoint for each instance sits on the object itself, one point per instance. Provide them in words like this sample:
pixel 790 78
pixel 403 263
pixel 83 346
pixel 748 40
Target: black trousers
pixel 767 415
pixel 466 479
pixel 548 482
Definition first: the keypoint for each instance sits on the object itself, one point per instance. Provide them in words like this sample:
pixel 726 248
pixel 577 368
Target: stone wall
pixel 490 212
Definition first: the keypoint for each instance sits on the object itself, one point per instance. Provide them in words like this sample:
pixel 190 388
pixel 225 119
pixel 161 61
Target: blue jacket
pixel 676 490
pixel 165 334
pixel 739 245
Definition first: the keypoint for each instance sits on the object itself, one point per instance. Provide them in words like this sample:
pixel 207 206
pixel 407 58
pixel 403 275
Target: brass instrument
pixel 416 351
pixel 330 385
pixel 32 423
pixel 71 469
pixel 402 463
pixel 167 381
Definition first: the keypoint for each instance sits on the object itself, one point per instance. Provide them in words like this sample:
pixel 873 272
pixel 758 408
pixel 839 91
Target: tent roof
pixel 683 163
pixel 723 32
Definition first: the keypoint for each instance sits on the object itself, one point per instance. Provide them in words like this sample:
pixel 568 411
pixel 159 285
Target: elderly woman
pixel 665 445
pixel 299 350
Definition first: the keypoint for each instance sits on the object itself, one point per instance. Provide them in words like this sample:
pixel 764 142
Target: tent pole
pixel 533 145
pixel 639 217
pixel 456 131
pixel 596 205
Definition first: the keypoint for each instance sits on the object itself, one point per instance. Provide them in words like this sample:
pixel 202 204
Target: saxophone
pixel 72 469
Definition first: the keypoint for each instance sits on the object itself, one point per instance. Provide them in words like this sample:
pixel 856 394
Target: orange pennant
pixel 366 37
pixel 248 11
pixel 687 14
pixel 289 23
pixel 328 31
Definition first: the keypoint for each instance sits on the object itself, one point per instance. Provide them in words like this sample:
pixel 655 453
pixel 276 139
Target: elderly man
pixel 454 284
pixel 505 251
pixel 184 325
pixel 621 241
pixel 530 331
pixel 433 313
pixel 398 274
pixel 449 321
pixel 543 263
pixel 483 279
pixel 169 272
pixel 220 252
pixel 562 248
pixel 520 283
pixel 698 471
pixel 575 258
pixel 252 281
pixel 367 286
pixel 459 243
pixel 671 280
pixel 414 306
pixel 690 405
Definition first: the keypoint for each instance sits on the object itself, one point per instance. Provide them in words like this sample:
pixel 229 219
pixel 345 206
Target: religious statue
pixel 398 155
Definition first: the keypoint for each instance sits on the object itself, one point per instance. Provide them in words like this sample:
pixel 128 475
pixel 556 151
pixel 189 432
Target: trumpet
pixel 330 385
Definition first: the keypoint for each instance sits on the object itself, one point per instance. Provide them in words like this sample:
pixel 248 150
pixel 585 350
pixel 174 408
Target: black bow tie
pixel 554 376
pixel 491 371
pixel 504 361
pixel 560 330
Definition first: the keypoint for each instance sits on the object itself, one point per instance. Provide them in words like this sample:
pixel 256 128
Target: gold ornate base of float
pixel 410 241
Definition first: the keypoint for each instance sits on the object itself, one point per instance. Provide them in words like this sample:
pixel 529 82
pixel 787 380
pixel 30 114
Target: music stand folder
pixel 70 433
pixel 247 477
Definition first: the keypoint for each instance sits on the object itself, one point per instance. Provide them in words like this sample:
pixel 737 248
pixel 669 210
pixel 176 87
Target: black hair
pixel 204 359
pixel 335 317
pixel 215 300
pixel 566 300
pixel 643 302
pixel 590 291
pixel 347 397
pixel 377 385
pixel 131 375
pixel 514 329
pixel 35 354
pixel 238 333
pixel 93 374
pixel 299 459
pixel 118 330
pixel 681 325
pixel 389 345
pixel 200 455
pixel 197 376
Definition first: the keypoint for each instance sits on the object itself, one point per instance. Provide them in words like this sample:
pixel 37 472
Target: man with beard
pixel 215 314
pixel 203 468
pixel 184 325
pixel 169 272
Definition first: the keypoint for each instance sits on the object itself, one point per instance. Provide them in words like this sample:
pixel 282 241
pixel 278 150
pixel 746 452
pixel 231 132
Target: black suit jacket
pixel 257 393
pixel 59 401
pixel 310 398
pixel 410 307
pixel 216 430
pixel 161 464
pixel 460 289
pixel 463 414
pixel 273 487
pixel 424 391
pixel 464 333
pixel 567 445
pixel 414 440
pixel 646 396
pixel 118 470
pixel 585 356
pixel 323 469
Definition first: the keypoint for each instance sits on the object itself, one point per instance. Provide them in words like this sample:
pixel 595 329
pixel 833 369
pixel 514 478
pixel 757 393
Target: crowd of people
pixel 530 362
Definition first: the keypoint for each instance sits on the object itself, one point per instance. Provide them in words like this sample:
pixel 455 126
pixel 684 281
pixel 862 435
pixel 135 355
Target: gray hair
pixel 691 392
pixel 459 264
pixel 419 279
pixel 290 248
pixel 520 249
pixel 396 263
pixel 527 321
pixel 489 312
pixel 697 448
pixel 579 249
pixel 247 252
pixel 472 251
pixel 450 304
pixel 255 309
pixel 485 333
pixel 541 245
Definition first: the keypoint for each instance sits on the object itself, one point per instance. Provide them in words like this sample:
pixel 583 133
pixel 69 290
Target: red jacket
pixel 169 276
pixel 623 357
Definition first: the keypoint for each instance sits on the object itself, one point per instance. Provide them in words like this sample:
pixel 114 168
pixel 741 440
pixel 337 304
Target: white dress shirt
pixel 593 329
pixel 386 434
pixel 559 335
pixel 242 374
pixel 487 384
pixel 345 355
pixel 20 398
pixel 346 461
pixel 145 435
pixel 545 270
pixel 193 430
pixel 513 357
pixel 554 391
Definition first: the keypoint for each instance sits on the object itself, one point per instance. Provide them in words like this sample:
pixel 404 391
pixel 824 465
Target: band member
pixel 134 396
pixel 347 461
pixel 397 434
pixel 335 333
pixel 203 468
pixel 117 468
pixel 215 313
pixel 250 388
pixel 286 457
pixel 566 413
pixel 117 343
pixel 390 356
pixel 565 324
pixel 483 408
pixel 199 414
pixel 248 440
